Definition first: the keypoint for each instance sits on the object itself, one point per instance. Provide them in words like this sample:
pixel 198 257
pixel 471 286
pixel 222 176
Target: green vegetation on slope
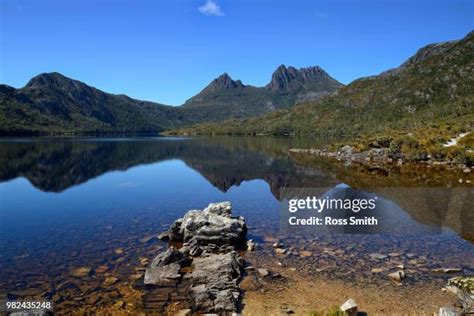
pixel 53 104
pixel 432 90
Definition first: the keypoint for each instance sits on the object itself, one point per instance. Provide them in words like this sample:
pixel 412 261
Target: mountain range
pixel 432 90
pixel 51 103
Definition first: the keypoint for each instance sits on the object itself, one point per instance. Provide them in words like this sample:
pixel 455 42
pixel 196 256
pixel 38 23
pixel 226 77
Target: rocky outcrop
pixel 287 87
pixel 310 79
pixel 207 263
pixel 378 157
pixel 422 54
pixel 224 81
pixel 210 229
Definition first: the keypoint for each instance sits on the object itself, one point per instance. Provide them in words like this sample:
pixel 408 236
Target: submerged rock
pixel 277 245
pixel 280 251
pixel 110 281
pixel 80 272
pixel 377 256
pixel 447 270
pixel 398 276
pixel 263 272
pixel 251 245
pixel 305 253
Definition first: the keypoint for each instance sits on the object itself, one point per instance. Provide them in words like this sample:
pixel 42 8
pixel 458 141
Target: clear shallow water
pixel 67 203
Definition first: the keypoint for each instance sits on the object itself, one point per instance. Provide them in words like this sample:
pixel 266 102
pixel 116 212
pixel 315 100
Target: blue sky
pixel 167 51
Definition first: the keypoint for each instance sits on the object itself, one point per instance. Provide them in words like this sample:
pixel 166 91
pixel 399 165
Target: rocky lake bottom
pixel 80 223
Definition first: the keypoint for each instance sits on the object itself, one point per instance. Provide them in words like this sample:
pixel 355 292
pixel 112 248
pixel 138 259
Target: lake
pixel 98 203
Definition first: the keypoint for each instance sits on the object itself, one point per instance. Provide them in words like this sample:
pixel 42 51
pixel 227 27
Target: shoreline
pixel 317 296
pixel 380 158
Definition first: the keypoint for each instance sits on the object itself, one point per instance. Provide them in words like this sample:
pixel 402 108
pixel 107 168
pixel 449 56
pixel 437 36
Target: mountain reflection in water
pixel 57 165
pixel 84 198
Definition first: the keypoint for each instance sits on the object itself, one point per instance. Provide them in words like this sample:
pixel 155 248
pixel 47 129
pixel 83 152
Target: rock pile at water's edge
pixel 207 264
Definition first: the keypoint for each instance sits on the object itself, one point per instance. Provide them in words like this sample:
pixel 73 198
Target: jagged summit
pixel 70 105
pixel 289 78
pixel 288 86
pixel 224 81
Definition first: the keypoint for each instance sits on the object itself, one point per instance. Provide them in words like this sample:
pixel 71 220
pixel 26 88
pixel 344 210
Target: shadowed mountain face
pixel 55 166
pixel 53 103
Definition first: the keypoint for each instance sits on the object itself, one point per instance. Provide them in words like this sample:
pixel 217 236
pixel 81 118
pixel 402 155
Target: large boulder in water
pixel 213 226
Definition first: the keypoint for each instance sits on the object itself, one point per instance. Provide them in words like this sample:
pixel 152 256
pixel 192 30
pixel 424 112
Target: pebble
pixel 277 245
pixel 349 307
pixel 184 312
pixel 119 304
pixel 164 236
pixel 398 276
pixel 447 270
pixel 251 245
pixel 286 309
pixel 110 281
pixel 80 272
pixel 147 239
pixel 102 269
pixel 377 256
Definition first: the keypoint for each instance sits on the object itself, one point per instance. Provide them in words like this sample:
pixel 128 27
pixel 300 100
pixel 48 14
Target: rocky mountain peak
pixel 224 81
pixel 47 79
pixel 285 78
pixel 58 82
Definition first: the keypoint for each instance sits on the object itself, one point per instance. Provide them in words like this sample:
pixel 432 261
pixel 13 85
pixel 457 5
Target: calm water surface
pixel 67 203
